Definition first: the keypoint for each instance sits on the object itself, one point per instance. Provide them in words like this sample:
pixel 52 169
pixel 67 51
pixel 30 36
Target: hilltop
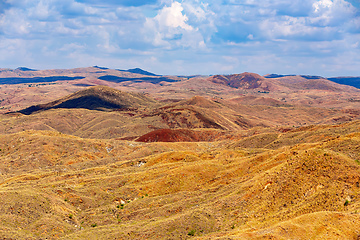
pixel 96 98
pixel 245 81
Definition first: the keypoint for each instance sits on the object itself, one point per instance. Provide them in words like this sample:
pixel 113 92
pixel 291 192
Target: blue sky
pixel 315 37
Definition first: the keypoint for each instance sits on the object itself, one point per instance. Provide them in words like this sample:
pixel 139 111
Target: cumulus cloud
pixel 196 35
pixel 170 28
pixel 322 4
pixel 307 20
pixel 172 17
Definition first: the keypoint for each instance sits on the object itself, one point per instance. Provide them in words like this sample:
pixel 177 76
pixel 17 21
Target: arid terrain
pixel 97 153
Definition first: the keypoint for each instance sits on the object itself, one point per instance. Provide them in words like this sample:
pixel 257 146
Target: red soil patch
pixel 179 135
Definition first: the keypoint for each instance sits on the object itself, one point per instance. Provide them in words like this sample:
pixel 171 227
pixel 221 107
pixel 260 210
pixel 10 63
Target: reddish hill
pixel 302 82
pixel 245 80
pixel 179 135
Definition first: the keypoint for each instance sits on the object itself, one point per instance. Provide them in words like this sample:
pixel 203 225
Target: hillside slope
pixel 96 98
pixel 302 184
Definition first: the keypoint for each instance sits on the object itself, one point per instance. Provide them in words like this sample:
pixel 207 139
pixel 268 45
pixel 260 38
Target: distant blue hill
pixel 351 81
pixel 277 76
pixel 291 75
pixel 139 71
pixel 17 80
pixel 25 69
pixel 112 78
pixel 102 68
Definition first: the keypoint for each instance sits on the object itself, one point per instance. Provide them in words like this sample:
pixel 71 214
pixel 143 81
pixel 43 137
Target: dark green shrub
pixel 191 233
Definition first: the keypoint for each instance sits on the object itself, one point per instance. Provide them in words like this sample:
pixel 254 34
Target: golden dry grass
pixel 301 184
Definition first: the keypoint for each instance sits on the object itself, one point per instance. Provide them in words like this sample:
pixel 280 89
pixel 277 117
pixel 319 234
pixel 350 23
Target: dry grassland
pixel 301 184
pixel 225 157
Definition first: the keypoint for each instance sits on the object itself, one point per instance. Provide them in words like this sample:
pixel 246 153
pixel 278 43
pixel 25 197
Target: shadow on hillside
pixel 86 102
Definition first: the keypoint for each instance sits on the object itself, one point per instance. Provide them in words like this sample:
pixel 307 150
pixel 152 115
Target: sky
pixel 312 37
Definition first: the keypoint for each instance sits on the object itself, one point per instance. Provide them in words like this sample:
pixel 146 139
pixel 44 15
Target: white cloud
pixel 321 4
pixel 40 11
pixel 286 27
pixel 197 11
pixel 170 28
pixel 195 34
pixel 332 12
pixel 172 17
pixel 250 36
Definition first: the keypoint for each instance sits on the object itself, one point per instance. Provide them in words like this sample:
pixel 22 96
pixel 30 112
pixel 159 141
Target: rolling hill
pixel 244 81
pixel 96 98
pixel 103 112
pixel 303 183
pixel 223 157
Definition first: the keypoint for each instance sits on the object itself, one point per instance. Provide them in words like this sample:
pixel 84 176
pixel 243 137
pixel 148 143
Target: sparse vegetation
pixel 191 232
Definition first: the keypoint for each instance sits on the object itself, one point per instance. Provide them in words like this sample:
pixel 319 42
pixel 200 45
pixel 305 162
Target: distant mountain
pixel 139 71
pixel 273 75
pixel 95 98
pixel 102 68
pixel 275 82
pixel 23 75
pixel 311 77
pixel 244 80
pixel 18 80
pixel 291 75
pixel 25 69
pixel 351 81
pixel 118 79
pixel 190 76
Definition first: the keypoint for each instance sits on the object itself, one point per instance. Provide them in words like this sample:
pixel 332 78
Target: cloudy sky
pixel 315 37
